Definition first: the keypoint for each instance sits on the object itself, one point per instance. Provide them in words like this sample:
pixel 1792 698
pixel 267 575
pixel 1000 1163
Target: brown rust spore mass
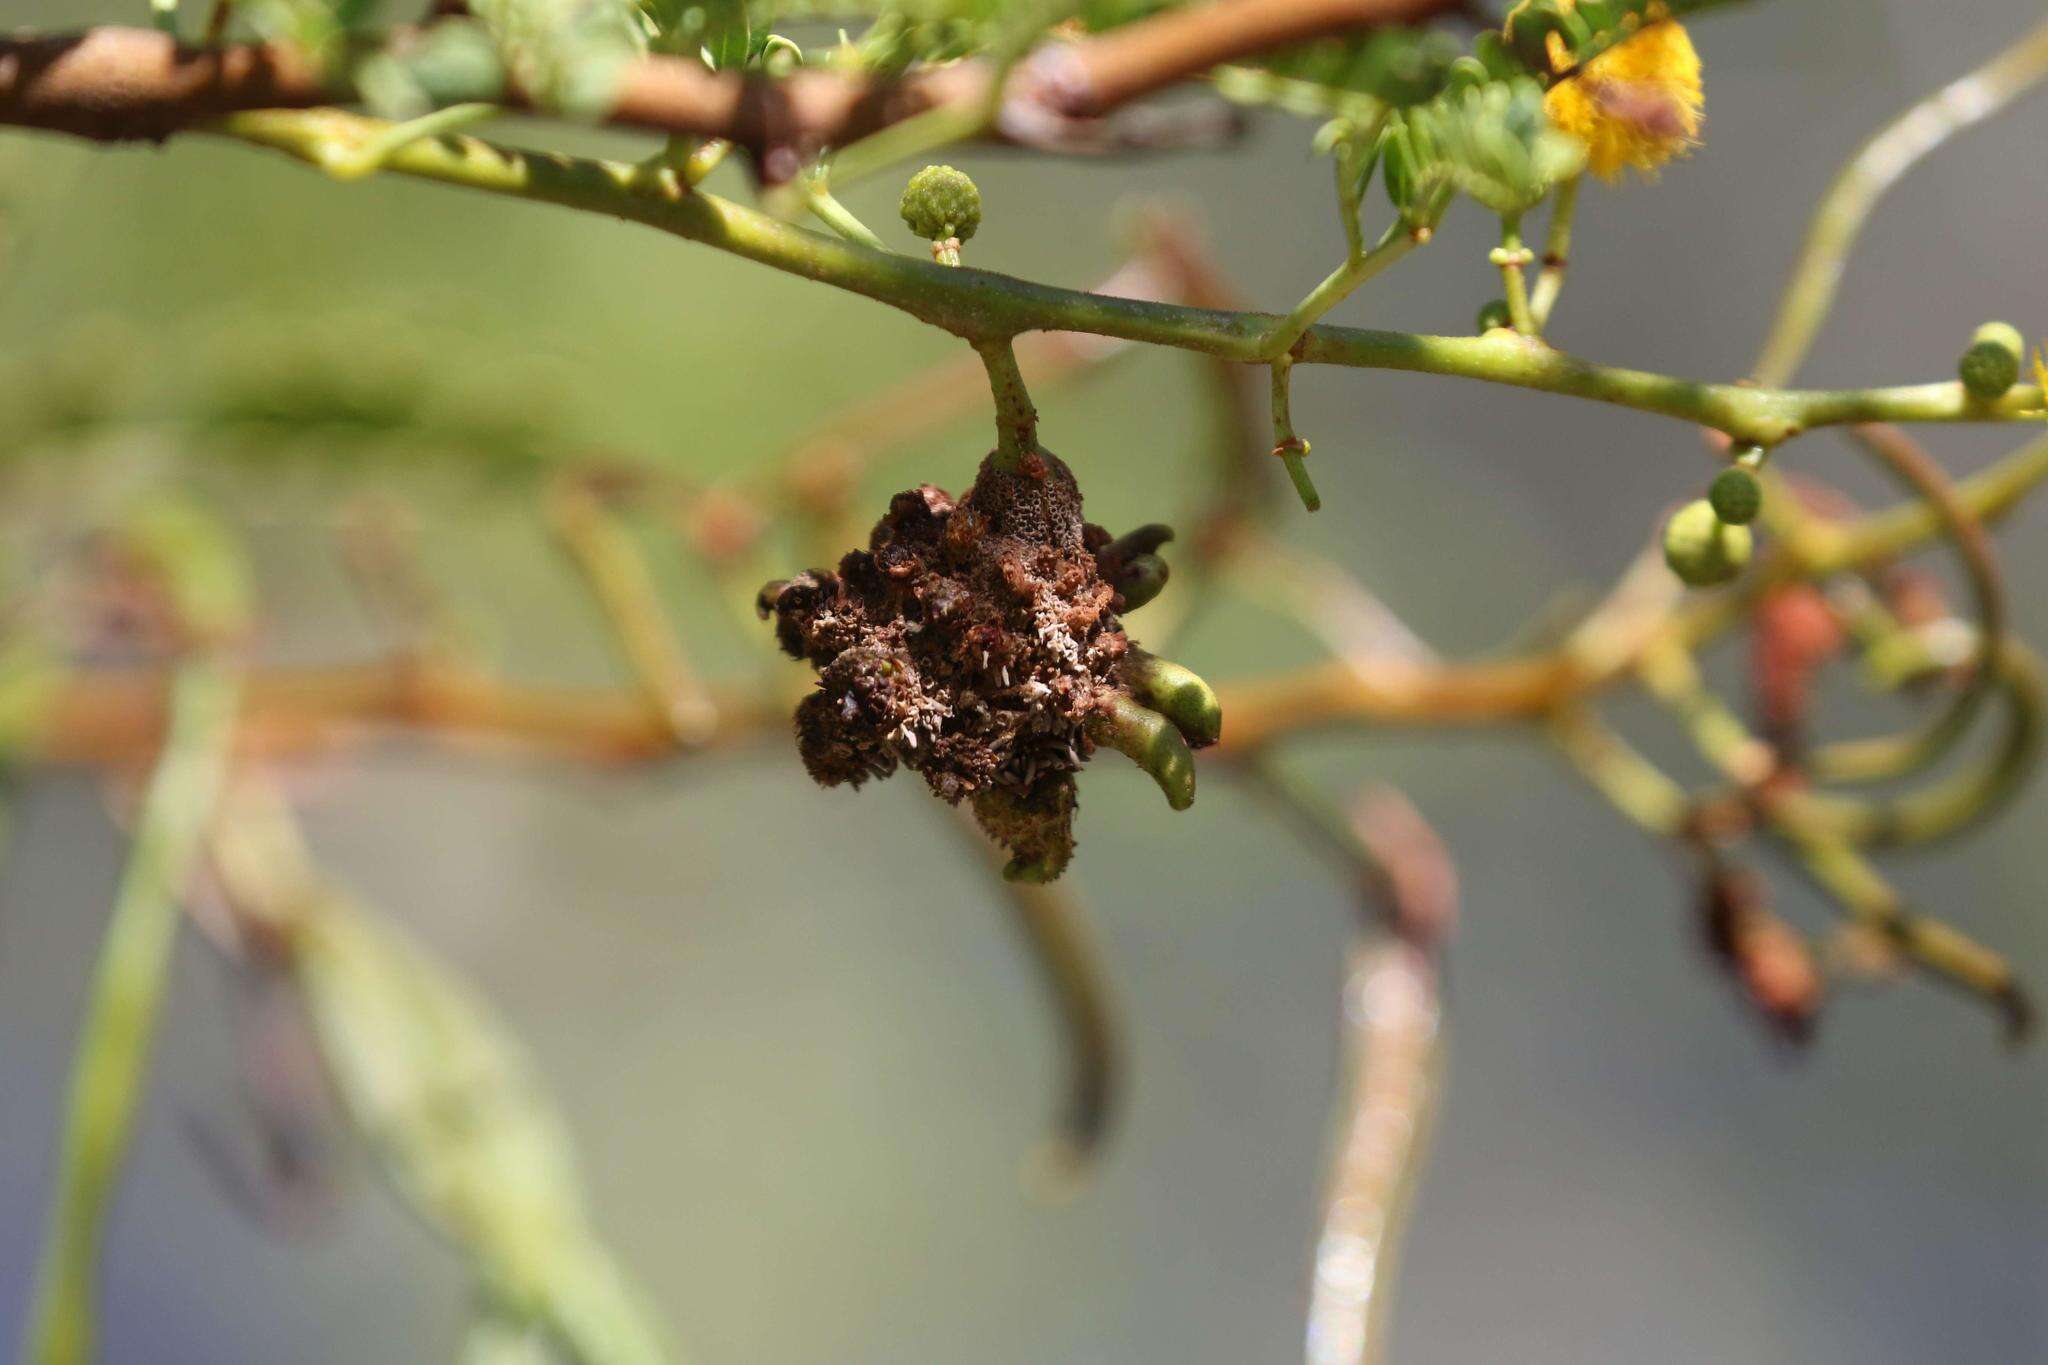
pixel 971 642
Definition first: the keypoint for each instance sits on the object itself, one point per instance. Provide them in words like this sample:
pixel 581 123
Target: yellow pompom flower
pixel 1636 104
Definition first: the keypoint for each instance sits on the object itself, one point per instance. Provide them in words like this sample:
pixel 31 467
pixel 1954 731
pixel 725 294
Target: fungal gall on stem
pixel 978 642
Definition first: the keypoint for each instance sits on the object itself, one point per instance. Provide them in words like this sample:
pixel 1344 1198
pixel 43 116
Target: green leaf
pixel 566 54
pixel 1491 143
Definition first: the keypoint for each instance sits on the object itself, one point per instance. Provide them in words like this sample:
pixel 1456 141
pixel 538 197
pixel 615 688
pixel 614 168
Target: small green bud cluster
pixel 1494 313
pixel 1701 548
pixel 1992 364
pixel 1491 143
pixel 941 204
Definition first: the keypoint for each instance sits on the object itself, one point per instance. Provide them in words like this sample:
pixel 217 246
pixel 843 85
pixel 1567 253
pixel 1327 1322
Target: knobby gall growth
pixel 978 642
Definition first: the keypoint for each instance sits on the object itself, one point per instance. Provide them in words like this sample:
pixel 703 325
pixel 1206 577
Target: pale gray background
pixel 804 1067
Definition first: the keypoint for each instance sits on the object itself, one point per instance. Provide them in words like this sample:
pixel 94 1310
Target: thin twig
pixel 1838 221
pixel 618 577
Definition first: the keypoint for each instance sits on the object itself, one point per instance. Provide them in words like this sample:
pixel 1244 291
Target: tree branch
pixel 980 305
pixel 114 83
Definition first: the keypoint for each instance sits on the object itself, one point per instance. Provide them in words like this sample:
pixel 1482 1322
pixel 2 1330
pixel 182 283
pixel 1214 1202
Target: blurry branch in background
pixel 1876 167
pixel 603 549
pixel 379 540
pixel 1391 1054
pixel 200 583
pixel 1054 926
pixel 442 1097
pixel 114 1044
pixel 130 83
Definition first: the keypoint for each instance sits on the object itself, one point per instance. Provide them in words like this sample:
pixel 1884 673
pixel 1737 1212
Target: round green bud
pixel 1992 364
pixel 1702 549
pixel 940 202
pixel 1736 496
pixel 1494 313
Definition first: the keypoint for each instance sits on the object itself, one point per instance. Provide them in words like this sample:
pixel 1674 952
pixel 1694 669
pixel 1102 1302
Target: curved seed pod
pixel 1143 541
pixel 1178 693
pixel 1149 740
pixel 1141 579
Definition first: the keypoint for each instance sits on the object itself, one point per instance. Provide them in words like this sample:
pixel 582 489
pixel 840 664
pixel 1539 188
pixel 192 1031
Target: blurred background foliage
pixel 799 1050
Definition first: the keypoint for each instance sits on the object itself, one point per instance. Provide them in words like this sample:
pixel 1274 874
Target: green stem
pixel 1292 450
pixel 1986 496
pixel 1016 418
pixel 1873 170
pixel 369 156
pixel 1557 250
pixel 979 305
pixel 1397 242
pixel 1511 258
pixel 121 1013
pixel 835 215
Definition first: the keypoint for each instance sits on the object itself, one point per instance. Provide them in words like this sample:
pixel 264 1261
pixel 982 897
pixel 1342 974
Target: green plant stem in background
pixel 1512 257
pixel 1876 168
pixel 980 305
pixel 1896 756
pixel 1557 250
pixel 127 992
pixel 370 156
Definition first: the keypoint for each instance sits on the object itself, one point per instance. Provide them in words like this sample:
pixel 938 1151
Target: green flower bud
pixel 940 202
pixel 1150 740
pixel 1494 313
pixel 1992 364
pixel 1737 496
pixel 1177 693
pixel 1703 550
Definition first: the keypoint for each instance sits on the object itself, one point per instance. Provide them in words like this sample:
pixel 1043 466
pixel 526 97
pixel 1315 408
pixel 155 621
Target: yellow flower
pixel 1636 104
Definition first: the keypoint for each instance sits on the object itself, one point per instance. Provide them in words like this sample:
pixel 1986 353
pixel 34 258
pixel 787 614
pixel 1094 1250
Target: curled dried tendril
pixel 979 643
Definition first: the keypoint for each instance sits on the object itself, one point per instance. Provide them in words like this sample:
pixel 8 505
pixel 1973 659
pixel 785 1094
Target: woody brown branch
pixel 114 718
pixel 115 83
